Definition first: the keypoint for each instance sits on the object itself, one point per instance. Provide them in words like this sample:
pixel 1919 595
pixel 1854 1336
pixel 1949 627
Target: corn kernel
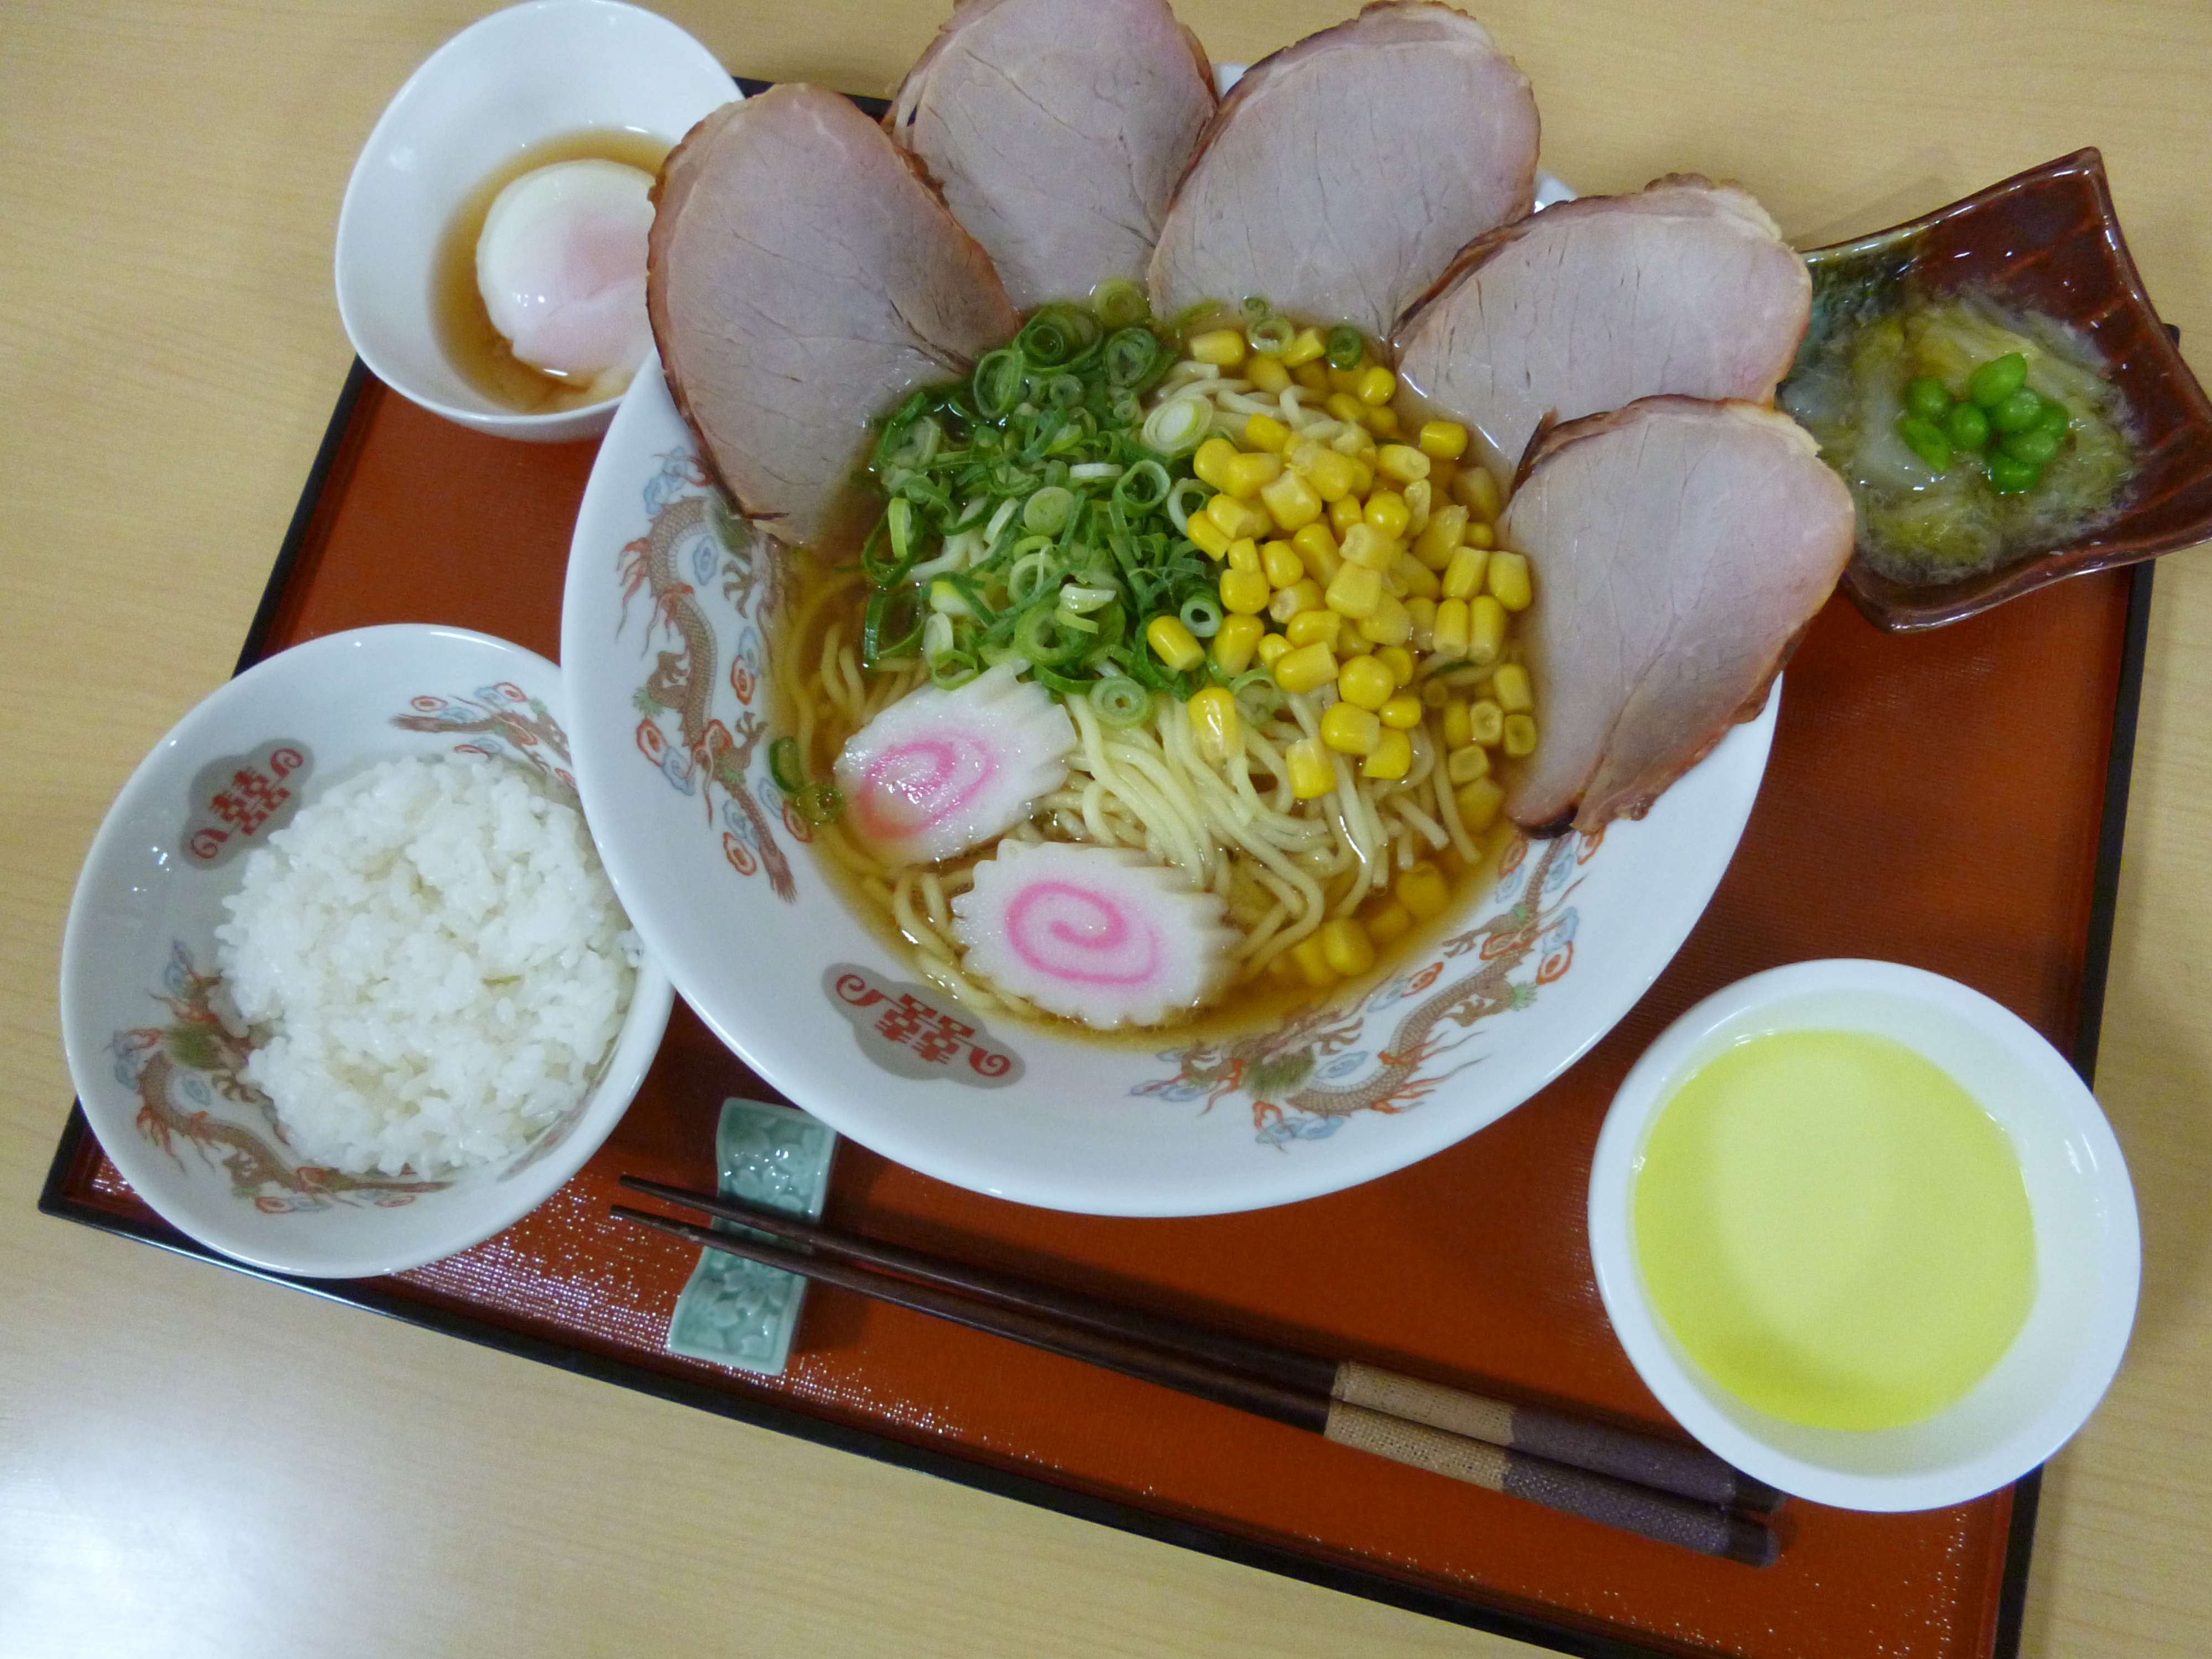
pixel 1364 681
pixel 1306 669
pixel 1520 735
pixel 1314 628
pixel 1479 534
pixel 1235 641
pixel 1246 476
pixel 1378 386
pixel 1356 591
pixel 1402 463
pixel 1272 648
pixel 1391 624
pixel 1244 593
pixel 1452 623
pixel 1478 492
pixel 1386 511
pixel 1343 406
pixel 1464 575
pixel 1485 629
pixel 1393 756
pixel 1213 455
pixel 1305 346
pixel 1329 473
pixel 1441 474
pixel 1422 889
pixel 1509 685
pixel 1267 374
pixel 1244 554
pixel 1362 477
pixel 1239 518
pixel 1459 729
pixel 1420 499
pixel 1401 661
pixel 1443 441
pixel 1435 694
pixel 1316 550
pixel 1423 613
pixel 1314 377
pixel 1343 380
pixel 1266 432
pixel 1478 803
pixel 1367 546
pixel 1221 346
pixel 1350 643
pixel 1346 946
pixel 1403 712
pixel 1416 578
pixel 1313 774
pixel 1389 922
pixel 1440 538
pixel 1383 422
pixel 1486 722
pixel 1509 581
pixel 1174 643
pixel 1343 512
pixel 1467 764
pixel 1296 600
pixel 1312 961
pixel 1214 721
pixel 1282 565
pixel 1351 730
pixel 1211 539
pixel 1291 501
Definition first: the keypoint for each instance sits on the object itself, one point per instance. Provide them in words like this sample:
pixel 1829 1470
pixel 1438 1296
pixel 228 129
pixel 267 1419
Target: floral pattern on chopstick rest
pixel 739 1313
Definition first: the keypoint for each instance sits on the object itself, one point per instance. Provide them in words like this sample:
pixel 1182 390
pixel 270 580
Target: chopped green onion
pixel 1141 488
pixel 819 803
pixel 1049 510
pixel 1078 599
pixel 1120 302
pixel 1345 346
pixel 1201 614
pixel 998 381
pixel 1177 425
pixel 1188 495
pixel 783 765
pixel 1044 640
pixel 1120 700
pixel 1134 358
pixel 952 668
pixel 1271 336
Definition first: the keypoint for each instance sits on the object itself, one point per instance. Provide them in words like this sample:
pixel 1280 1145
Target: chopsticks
pixel 1678 1494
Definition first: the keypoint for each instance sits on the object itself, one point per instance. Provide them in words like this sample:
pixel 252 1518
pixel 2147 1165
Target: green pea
pixel 2054 419
pixel 2018 411
pixel 2009 476
pixel 1997 380
pixel 1966 427
pixel 1926 440
pixel 1927 398
pixel 2035 446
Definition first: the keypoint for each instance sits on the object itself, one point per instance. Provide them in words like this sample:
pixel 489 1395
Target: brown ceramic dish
pixel 2047 240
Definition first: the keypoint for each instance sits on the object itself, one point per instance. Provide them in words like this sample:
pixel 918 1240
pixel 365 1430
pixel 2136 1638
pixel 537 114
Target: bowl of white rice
pixel 345 987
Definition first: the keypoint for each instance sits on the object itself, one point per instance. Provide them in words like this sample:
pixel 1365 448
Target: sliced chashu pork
pixel 1685 287
pixel 1057 129
pixel 1340 175
pixel 1680 548
pixel 801 280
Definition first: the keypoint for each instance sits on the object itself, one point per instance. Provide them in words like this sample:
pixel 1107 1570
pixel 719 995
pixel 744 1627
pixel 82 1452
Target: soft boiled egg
pixel 561 266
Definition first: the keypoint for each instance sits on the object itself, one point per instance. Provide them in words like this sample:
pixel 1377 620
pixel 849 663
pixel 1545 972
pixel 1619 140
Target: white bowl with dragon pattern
pixel 156 1062
pixel 666 628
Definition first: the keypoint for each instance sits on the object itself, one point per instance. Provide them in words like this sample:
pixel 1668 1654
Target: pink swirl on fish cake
pixel 1081 935
pixel 915 785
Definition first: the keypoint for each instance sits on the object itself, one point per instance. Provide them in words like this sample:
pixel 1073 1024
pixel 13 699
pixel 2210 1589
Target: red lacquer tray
pixel 1952 800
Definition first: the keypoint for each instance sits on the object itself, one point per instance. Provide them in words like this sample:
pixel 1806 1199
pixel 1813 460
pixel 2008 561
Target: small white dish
pixel 2087 1248
pixel 514 80
pixel 156 1070
pixel 667 630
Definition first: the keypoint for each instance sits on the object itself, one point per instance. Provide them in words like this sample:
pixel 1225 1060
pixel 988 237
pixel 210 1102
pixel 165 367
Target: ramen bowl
pixel 155 1053
pixel 514 81
pixel 668 640
pixel 2082 1208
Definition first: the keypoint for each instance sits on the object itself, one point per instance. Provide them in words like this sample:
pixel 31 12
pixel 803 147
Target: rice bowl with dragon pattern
pixel 668 620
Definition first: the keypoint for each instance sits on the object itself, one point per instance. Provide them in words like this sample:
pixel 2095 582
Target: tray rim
pixel 1495 1618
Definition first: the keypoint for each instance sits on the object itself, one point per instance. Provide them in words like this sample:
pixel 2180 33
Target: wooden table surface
pixel 192 1462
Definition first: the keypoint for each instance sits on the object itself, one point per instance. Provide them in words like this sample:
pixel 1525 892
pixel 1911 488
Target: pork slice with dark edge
pixel 801 280
pixel 1057 129
pixel 1340 175
pixel 1685 286
pixel 1680 548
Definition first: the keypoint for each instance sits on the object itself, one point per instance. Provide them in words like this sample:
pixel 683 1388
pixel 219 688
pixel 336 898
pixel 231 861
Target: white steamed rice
pixel 434 963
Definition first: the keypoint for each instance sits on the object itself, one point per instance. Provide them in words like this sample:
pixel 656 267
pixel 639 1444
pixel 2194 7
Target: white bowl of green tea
pixel 1866 1235
pixel 597 89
